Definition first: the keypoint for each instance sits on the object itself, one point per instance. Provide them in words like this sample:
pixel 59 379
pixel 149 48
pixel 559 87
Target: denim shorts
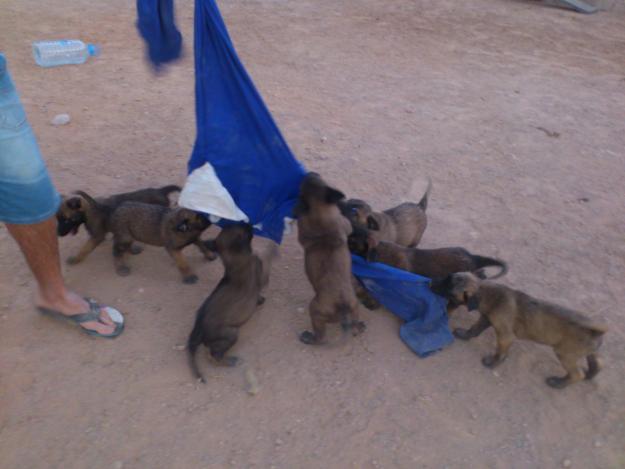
pixel 26 191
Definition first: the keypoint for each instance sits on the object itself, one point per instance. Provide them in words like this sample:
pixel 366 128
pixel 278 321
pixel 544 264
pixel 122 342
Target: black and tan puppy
pixel 233 302
pixel 432 263
pixel 95 213
pixel 172 228
pixel 322 232
pixel 513 313
pixel 403 225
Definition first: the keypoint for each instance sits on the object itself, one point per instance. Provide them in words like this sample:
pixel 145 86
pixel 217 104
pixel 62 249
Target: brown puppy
pixel 403 225
pixel 172 228
pixel 95 213
pixel 515 314
pixel 432 263
pixel 322 232
pixel 233 302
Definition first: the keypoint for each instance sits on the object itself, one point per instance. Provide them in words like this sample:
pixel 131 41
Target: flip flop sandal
pixel 92 315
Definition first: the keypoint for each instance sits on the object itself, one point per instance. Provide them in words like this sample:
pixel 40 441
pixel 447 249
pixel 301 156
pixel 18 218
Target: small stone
pixel 598 444
pixel 141 290
pixel 324 139
pixel 279 442
pixel 495 374
pixel 179 347
pixel 61 119
pixel 567 463
pixel 118 465
pixel 473 415
pixel 251 382
pixel 300 310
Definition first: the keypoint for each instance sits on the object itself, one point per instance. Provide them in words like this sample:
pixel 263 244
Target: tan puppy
pixel 95 214
pixel 322 232
pixel 172 228
pixel 431 263
pixel 403 225
pixel 235 299
pixel 513 313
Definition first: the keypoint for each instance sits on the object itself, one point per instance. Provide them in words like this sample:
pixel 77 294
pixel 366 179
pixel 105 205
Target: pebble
pixel 279 442
pixel 598 444
pixel 118 465
pixel 61 119
pixel 141 290
pixel 179 347
pixel 251 382
pixel 567 463
pixel 495 374
pixel 323 139
pixel 300 310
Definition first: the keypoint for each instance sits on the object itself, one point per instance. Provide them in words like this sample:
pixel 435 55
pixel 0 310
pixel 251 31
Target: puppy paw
pixel 260 301
pixel 230 361
pixel 123 271
pixel 190 279
pixel 308 338
pixel 462 334
pixel 556 382
pixel 358 327
pixel 490 361
pixel 73 260
pixel 134 250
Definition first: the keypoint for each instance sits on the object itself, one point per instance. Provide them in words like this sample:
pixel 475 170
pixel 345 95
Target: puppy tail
pixel 423 203
pixel 88 198
pixel 594 366
pixel 166 190
pixel 483 262
pixel 195 340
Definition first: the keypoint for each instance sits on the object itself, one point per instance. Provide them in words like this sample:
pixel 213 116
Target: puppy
pixel 322 232
pixel 403 225
pixel 172 228
pixel 95 214
pixel 233 302
pixel 432 263
pixel 515 314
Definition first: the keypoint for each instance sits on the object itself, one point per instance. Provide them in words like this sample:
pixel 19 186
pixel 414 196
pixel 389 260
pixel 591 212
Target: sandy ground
pixel 376 96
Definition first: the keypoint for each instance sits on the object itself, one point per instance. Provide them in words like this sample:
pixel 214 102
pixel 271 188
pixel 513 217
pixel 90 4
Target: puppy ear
pixel 372 223
pixel 300 208
pixel 75 203
pixel 333 196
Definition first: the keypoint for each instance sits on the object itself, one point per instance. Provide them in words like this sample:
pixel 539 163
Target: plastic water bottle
pixel 53 53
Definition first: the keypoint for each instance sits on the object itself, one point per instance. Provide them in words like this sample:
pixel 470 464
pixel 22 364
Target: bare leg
pixel 39 244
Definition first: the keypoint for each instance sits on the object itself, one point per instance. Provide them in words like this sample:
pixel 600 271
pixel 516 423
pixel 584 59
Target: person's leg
pixel 39 244
pixel 28 204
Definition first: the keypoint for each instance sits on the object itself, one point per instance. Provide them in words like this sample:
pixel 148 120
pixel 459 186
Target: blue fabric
pixel 408 296
pixel 235 131
pixel 156 24
pixel 26 192
pixel 238 137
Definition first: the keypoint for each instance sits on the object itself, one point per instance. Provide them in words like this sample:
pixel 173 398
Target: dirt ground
pixel 517 113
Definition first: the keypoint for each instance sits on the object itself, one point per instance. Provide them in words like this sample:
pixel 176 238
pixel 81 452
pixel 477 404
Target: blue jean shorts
pixel 26 191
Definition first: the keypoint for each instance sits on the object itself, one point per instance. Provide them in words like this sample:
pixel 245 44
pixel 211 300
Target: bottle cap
pixel 93 49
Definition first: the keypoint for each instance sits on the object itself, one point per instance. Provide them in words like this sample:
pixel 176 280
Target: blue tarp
pixel 255 170
pixel 257 176
pixel 409 297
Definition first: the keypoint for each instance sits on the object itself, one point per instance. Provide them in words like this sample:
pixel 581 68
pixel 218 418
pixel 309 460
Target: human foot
pixel 73 304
